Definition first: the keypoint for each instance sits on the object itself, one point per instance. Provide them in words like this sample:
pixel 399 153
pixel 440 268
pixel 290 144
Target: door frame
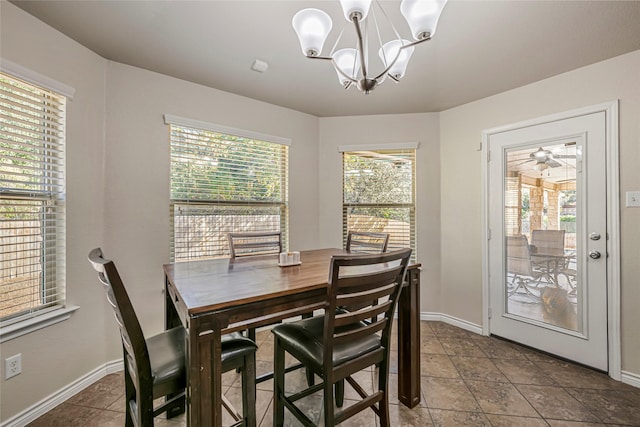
pixel 612 211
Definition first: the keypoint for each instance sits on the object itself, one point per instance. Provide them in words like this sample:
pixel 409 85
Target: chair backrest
pixel 367 242
pixel 370 281
pixel 133 341
pixel 518 256
pixel 247 244
pixel 547 239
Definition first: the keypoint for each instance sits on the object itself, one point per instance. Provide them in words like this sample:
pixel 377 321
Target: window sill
pixel 27 326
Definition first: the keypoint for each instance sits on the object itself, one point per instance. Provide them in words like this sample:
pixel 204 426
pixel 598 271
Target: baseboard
pixel 630 378
pixel 453 321
pixel 48 403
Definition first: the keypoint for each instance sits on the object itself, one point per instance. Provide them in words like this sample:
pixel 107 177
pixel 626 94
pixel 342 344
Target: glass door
pixel 547 247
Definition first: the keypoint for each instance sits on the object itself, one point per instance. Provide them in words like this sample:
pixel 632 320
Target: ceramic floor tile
pixel 502 384
pixel 446 393
pixel 510 421
pixel 556 403
pixel 563 423
pixel 612 406
pixel 498 349
pixel 442 418
pixel 520 371
pixel 432 345
pixel 401 416
pixel 437 365
pixel 441 329
pixel 570 375
pixel 460 347
pixel 101 394
pixel 478 368
pixel 500 399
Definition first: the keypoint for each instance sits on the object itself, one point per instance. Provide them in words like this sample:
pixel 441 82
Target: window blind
pixel 222 183
pixel 32 206
pixel 379 194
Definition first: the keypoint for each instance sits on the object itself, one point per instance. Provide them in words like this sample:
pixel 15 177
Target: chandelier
pixel 352 63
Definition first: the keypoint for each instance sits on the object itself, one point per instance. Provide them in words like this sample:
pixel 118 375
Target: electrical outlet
pixel 633 199
pixel 12 366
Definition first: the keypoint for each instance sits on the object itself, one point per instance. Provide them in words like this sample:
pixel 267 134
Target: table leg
pixel 409 340
pixel 205 367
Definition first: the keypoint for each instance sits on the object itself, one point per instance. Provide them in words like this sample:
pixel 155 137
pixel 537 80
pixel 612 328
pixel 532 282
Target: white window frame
pixel 408 146
pixel 16 326
pixel 195 205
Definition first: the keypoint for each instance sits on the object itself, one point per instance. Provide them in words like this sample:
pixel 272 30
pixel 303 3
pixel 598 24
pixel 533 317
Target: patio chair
pixel 520 266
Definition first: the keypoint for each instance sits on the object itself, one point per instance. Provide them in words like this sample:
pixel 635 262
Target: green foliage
pixel 210 166
pixel 378 179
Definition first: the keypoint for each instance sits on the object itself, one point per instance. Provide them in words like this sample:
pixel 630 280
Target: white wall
pixel 56 356
pixel 460 132
pixel 385 129
pixel 137 170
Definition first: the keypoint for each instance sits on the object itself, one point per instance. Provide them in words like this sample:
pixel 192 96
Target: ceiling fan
pixel 545 159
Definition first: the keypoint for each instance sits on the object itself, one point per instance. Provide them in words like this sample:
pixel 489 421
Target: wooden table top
pixel 209 285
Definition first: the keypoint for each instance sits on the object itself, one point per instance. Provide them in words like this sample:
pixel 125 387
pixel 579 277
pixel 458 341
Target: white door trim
pixel 613 219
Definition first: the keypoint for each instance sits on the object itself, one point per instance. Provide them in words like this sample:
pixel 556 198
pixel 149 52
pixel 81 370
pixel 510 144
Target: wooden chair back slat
pixel 367 242
pixel 249 244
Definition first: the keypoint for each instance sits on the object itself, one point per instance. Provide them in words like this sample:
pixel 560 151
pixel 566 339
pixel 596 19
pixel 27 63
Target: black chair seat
pixel 167 360
pixel 304 340
pixel 235 346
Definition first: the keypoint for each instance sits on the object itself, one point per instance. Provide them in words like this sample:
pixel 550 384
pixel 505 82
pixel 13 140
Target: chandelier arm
pixel 386 70
pixel 363 65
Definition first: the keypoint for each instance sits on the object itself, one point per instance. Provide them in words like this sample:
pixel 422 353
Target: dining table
pixel 212 297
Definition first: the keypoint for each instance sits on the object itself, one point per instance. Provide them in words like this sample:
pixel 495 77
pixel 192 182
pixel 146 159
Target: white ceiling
pixel 481 47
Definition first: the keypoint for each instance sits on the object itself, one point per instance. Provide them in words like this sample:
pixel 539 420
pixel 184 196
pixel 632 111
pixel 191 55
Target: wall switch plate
pixel 12 366
pixel 633 199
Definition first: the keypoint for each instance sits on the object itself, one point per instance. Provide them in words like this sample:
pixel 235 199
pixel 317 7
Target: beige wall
pixel 117 192
pixel 460 133
pixel 137 170
pixel 56 356
pixel 386 129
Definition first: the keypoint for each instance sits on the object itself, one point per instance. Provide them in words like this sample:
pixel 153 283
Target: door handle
pixel 594 254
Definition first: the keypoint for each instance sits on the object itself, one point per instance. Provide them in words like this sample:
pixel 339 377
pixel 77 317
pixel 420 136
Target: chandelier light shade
pixel 351 63
pixel 347 64
pixel 312 27
pixel 422 16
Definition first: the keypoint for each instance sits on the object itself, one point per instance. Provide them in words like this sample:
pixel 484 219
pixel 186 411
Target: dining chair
pixel 254 244
pixel 520 266
pixel 340 343
pixel 367 242
pixel 155 367
pixel 259 243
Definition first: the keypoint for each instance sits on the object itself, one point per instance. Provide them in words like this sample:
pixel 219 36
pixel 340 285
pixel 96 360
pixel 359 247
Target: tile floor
pixel 467 380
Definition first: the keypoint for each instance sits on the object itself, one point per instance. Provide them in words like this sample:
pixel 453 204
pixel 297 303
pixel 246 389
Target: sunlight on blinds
pixel 223 183
pixel 379 195
pixel 32 208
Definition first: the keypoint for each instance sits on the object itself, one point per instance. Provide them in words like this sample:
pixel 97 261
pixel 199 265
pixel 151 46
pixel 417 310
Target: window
pixel 379 194
pixel 32 206
pixel 224 180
